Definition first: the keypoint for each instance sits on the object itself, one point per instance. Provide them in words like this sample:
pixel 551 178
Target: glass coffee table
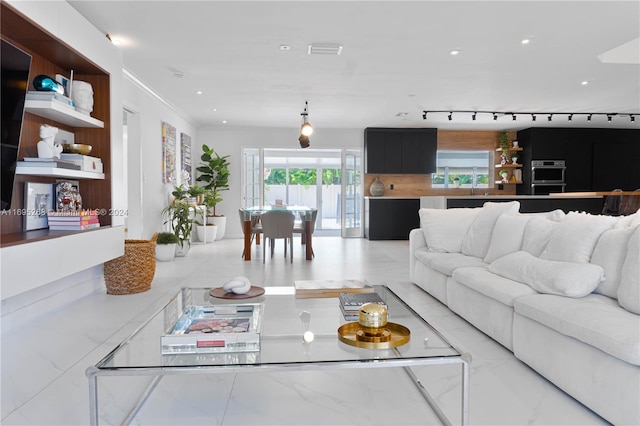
pixel 285 320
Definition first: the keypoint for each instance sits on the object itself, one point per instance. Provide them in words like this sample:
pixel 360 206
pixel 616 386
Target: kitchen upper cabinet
pixel 400 151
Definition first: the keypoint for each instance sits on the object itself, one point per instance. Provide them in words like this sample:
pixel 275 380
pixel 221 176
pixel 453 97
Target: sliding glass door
pixel 310 177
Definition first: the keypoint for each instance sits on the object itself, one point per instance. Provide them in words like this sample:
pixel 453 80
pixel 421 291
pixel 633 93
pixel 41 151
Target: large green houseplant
pixel 179 214
pixel 214 175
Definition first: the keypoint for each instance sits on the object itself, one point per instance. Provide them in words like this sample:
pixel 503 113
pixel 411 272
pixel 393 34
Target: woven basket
pixel 133 272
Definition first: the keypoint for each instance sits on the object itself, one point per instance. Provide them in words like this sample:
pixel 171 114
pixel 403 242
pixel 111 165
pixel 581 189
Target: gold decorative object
pixel 372 331
pixel 76 148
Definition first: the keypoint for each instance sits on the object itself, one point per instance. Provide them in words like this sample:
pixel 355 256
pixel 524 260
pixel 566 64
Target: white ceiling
pixel 395 60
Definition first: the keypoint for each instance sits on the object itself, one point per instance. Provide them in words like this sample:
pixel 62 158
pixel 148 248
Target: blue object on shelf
pixel 44 83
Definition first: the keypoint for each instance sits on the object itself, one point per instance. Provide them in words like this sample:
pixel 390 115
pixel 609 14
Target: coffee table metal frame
pixel 102 368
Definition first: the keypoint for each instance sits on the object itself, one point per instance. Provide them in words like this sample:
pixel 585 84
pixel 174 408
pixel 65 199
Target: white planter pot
pixel 207 234
pixel 221 224
pixel 183 250
pixel 165 252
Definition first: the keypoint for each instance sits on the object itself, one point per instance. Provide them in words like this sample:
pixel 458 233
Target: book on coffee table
pixel 330 288
pixel 350 303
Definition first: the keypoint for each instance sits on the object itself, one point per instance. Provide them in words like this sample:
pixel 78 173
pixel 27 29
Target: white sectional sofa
pixel 561 291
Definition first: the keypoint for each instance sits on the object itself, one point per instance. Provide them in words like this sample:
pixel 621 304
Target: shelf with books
pixel 57 172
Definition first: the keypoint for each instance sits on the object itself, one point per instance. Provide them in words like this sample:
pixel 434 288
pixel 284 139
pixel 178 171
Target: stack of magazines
pixel 50 96
pixel 73 220
pixel 350 303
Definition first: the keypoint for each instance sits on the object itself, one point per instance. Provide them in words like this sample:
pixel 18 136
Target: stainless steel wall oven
pixel 547 176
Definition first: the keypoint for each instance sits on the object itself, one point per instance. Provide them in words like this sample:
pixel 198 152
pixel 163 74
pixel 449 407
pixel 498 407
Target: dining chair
pixel 277 224
pixel 256 226
pixel 612 203
pixel 299 227
pixel 631 204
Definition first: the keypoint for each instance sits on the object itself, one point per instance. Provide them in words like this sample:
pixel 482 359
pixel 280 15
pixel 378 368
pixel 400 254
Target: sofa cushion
pixel 483 281
pixel 446 263
pixel 476 241
pixel 549 276
pixel 537 234
pixel 444 229
pixel 507 235
pixel 610 253
pixel 630 221
pixel 574 238
pixel 629 290
pixel 595 319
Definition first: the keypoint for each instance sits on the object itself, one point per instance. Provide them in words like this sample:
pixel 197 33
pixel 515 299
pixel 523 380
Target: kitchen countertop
pixel 371 197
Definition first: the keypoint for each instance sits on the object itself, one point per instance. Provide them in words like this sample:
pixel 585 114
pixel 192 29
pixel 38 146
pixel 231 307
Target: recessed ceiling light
pixel 214 109
pixel 454 52
pixel 584 83
pixel 198 92
pixel 285 47
pixel 525 41
pixel 224 121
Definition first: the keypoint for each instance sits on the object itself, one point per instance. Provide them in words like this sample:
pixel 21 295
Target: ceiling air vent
pixel 324 49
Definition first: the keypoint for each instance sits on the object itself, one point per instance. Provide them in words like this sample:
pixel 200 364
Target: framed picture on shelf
pixel 38 200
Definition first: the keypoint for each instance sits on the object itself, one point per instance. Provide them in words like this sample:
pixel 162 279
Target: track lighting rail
pixel 532 115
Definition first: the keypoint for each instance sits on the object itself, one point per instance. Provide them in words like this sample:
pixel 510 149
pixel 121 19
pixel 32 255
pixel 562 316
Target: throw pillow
pixel 507 235
pixel 476 241
pixel 537 234
pixel 444 229
pixel 629 290
pixel 549 276
pixel 610 253
pixel 576 236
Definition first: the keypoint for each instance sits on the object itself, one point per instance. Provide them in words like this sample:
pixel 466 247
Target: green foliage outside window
pixel 305 177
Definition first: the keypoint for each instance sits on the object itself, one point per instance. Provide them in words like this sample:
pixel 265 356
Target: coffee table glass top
pixel 282 334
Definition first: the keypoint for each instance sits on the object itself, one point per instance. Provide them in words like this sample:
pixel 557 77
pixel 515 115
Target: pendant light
pixel 306 129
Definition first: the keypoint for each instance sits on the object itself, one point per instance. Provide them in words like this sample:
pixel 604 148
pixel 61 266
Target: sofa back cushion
pixel 507 235
pixel 549 276
pixel 629 290
pixel 610 253
pixel 444 229
pixel 537 234
pixel 574 238
pixel 476 241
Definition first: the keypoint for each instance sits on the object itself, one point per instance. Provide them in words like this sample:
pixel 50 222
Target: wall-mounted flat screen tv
pixel 15 80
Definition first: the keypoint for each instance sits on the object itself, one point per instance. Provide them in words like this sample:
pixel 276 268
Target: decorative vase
pixel 377 188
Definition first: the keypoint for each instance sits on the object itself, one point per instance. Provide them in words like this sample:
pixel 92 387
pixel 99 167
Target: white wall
pixel 231 141
pixel 150 112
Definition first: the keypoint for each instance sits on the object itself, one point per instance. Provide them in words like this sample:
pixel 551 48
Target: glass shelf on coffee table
pixel 282 348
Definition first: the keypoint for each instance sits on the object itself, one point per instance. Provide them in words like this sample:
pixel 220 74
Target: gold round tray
pixel 392 335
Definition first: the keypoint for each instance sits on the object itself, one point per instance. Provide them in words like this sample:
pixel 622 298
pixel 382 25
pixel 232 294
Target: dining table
pixel 303 212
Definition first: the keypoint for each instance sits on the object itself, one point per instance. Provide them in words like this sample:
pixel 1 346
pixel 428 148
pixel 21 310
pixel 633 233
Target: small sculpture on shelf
pixel 82 96
pixel 47 148
pixel 504 175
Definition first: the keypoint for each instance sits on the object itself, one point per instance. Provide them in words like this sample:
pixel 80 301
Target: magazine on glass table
pixel 215 329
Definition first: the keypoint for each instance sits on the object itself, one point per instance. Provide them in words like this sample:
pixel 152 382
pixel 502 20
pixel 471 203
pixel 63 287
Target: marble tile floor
pixel 44 358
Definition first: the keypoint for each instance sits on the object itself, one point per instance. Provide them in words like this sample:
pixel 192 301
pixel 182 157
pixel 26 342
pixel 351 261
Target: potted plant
pixel 504 174
pixel 214 173
pixel 503 140
pixel 514 158
pixel 206 231
pixel 179 214
pixel 197 192
pixel 166 246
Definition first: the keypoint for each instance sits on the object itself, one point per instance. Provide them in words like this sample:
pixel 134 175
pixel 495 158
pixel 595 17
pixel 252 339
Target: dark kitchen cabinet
pixel 400 151
pixel 390 219
pixel 596 159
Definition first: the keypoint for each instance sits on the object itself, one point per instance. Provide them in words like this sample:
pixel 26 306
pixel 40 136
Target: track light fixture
pixel 306 129
pixel 514 115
